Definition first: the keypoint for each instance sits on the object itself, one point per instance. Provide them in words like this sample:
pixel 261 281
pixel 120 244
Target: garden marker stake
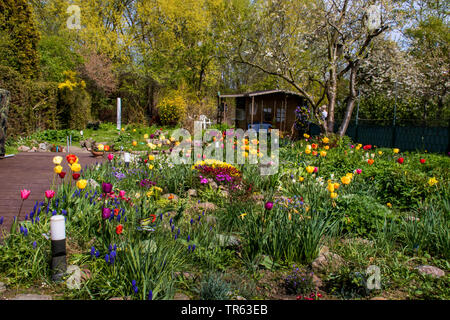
pixel 127 159
pixel 58 235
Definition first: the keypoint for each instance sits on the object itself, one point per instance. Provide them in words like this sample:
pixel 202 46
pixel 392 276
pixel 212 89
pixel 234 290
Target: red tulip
pixel 75 176
pixel 71 158
pixel 119 229
pixel 24 194
pixel 400 160
pixel 62 174
pixel 422 161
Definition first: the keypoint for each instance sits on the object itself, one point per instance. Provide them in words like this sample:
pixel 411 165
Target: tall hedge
pixel 17 21
pixel 33 104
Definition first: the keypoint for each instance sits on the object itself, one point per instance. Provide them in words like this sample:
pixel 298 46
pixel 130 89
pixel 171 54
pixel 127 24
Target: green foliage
pixel 214 287
pixel 56 57
pixel 33 104
pixel 16 18
pixel 361 215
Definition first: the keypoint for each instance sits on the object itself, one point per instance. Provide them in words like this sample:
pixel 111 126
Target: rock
pixel 213 185
pixel 258 197
pixel 327 260
pixel 42 146
pixel 211 220
pixel 34 149
pixel 192 193
pixel 181 296
pixel 324 249
pixel 206 206
pixel 74 280
pixel 228 240
pixel 432 271
pixel 378 298
pixel 240 298
pixel 317 281
pixel 170 196
pixel 120 298
pixel 2 287
pixel 32 297
pixel 23 149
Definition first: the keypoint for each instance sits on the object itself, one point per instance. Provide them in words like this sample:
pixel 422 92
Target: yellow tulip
pixel 57 160
pixel 395 150
pixel 389 205
pixel 150 166
pixel 134 143
pixel 325 140
pixel 308 147
pixel 333 195
pixel 326 147
pixel 330 187
pixel 75 167
pixel 81 184
pixel 145 136
pixel 336 185
pixel 58 169
pixel 345 180
pixel 309 169
pixel 151 157
pixel 323 153
pixel 380 152
pixel 308 151
pixel 306 135
pixel 159 145
pixel 100 147
pixel 301 179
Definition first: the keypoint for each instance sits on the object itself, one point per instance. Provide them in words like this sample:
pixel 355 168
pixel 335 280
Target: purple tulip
pixel 107 187
pixel 269 205
pixel 106 213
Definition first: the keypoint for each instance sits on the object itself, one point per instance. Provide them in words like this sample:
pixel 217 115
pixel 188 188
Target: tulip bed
pixel 152 230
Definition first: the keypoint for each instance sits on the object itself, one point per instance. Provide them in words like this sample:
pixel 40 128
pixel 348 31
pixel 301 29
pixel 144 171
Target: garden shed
pixel 265 109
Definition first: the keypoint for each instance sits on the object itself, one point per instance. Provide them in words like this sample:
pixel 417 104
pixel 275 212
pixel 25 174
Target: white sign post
pixel 119 113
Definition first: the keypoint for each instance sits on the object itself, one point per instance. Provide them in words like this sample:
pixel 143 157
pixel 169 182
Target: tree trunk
pixel 350 100
pixel 331 95
pixel 4 107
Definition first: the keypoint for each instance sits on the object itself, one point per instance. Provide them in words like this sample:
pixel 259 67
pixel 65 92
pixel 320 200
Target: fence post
pixel 394 131
pixel 356 120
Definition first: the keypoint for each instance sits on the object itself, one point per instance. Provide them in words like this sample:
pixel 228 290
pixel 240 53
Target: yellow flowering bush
pixel 172 110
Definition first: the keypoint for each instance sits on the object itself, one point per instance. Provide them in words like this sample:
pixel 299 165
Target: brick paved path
pixel 32 171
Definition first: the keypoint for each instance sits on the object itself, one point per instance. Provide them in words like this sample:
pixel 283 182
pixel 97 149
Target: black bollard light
pixel 58 236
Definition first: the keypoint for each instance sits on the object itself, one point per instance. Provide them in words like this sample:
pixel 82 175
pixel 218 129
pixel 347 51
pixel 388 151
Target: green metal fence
pixel 412 135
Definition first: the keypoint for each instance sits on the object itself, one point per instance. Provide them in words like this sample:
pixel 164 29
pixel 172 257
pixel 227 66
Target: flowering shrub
pixel 298 282
pixel 172 110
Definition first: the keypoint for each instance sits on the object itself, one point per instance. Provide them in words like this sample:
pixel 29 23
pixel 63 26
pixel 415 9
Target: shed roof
pixel 258 93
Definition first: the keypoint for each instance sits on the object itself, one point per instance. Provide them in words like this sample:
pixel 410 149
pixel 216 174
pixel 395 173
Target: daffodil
pixel 432 181
pixel 325 140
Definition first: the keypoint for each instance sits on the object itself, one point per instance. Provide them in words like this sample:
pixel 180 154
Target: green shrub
pixel 361 215
pixel 214 287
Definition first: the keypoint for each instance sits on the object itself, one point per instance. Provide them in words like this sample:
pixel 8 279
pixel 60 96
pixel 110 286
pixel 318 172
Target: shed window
pixel 281 115
pixel 268 114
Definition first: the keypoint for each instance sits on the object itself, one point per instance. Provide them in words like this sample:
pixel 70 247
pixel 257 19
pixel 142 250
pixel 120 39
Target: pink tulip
pixel 358 171
pixel 316 169
pixel 121 193
pixel 110 157
pixel 24 194
pixel 49 194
